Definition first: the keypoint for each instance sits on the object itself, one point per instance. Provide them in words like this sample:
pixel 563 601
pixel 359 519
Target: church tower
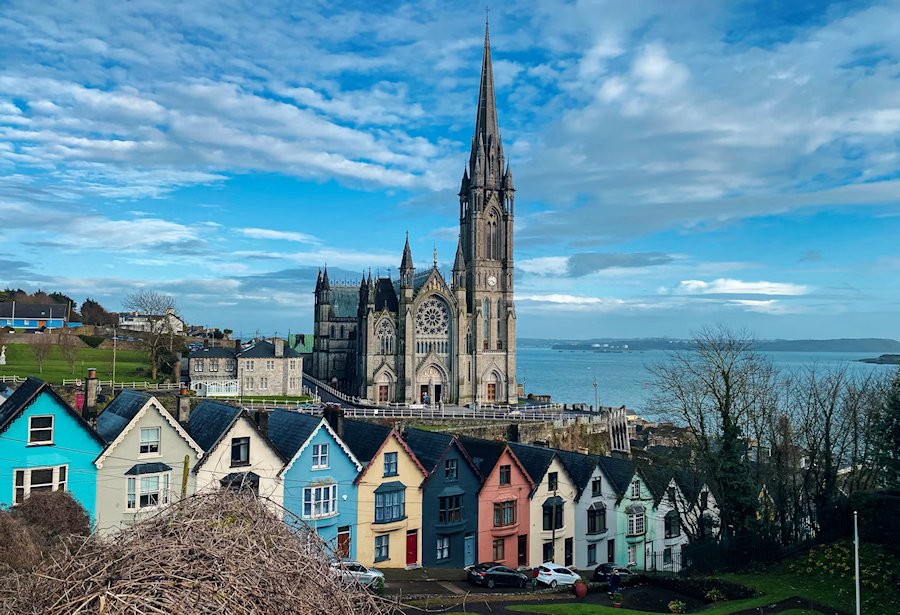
pixel 486 219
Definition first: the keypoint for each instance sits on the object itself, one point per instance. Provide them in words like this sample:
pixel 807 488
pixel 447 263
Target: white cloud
pixel 545 265
pixel 727 286
pixel 264 233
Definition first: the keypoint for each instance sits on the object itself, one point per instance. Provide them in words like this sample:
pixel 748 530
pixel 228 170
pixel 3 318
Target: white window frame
pixel 213 365
pixel 320 456
pixel 157 453
pixel 443 548
pixel 322 501
pixel 59 481
pixel 263 383
pixel 248 383
pixel 632 554
pixel 636 488
pixel 636 523
pixel 135 491
pixel 32 429
pixel 198 365
pixel 270 364
pixel 385 545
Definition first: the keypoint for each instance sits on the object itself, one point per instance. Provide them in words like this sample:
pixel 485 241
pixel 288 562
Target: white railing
pixel 144 385
pixel 333 391
pixel 13 379
pixel 452 413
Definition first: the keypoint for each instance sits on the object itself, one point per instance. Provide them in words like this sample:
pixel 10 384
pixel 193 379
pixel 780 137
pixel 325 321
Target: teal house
pixel 636 522
pixel 45 445
pixel 319 488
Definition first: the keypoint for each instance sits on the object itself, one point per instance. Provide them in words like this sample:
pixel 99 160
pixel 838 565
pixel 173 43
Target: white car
pixel 554 574
pixel 354 571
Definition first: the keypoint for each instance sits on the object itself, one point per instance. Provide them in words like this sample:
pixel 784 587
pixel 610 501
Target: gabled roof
pixel 393 434
pixel 291 432
pixel 618 471
pixel 23 397
pixel 386 296
pixel 535 459
pixel 657 479
pixel 123 412
pixel 430 447
pixel 580 468
pixel 484 453
pixel 119 412
pixel 213 353
pixel 209 422
pixel 266 350
pixel 364 439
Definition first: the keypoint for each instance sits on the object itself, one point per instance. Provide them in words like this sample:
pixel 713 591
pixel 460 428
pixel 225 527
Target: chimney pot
pixel 183 401
pixel 237 346
pixel 279 348
pixel 262 421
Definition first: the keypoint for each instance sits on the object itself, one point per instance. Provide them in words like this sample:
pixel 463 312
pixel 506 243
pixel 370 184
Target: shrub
pixel 53 514
pixel 715 595
pixel 91 340
pixel 617 597
pixel 699 587
pixel 19 549
pixel 677 606
pixel 378 586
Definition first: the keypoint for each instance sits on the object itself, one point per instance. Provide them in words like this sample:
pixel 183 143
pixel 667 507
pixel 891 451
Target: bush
pixel 677 606
pixel 700 587
pixel 19 549
pixel 53 514
pixel 91 340
pixel 715 595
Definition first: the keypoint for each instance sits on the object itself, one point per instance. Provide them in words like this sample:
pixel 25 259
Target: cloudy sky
pixel 677 163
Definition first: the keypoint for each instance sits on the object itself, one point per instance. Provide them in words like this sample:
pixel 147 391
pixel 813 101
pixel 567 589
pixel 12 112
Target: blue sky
pixel 677 163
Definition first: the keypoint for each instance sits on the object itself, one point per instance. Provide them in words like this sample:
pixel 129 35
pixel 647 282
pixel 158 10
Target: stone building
pixel 259 369
pixel 422 338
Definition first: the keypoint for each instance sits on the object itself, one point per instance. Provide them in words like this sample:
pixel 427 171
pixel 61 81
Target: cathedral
pixel 420 339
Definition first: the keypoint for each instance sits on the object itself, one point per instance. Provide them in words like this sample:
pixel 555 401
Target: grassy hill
pixel 130 364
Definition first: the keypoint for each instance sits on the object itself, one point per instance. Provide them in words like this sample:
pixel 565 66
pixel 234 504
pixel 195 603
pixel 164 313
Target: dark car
pixel 492 573
pixel 602 572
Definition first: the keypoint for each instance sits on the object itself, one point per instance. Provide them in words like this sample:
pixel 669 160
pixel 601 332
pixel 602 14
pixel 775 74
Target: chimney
pixel 237 346
pixel 279 348
pixel 512 432
pixel 183 401
pixel 91 388
pixel 262 421
pixel 334 414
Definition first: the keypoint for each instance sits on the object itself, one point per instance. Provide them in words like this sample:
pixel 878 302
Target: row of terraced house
pixel 384 496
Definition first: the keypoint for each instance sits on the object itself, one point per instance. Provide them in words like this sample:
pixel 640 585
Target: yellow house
pixel 389 493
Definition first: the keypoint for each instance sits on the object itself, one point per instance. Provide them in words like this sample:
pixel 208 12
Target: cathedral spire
pixel 325 284
pixel 406 262
pixel 459 263
pixel 487 130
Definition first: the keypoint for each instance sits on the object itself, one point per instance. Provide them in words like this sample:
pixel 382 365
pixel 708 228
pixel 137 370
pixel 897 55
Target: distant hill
pixel 885 359
pixel 868 345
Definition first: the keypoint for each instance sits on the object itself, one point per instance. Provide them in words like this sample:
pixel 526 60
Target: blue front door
pixel 470 550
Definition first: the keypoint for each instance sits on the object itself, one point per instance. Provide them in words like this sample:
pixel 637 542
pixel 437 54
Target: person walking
pixel 614 580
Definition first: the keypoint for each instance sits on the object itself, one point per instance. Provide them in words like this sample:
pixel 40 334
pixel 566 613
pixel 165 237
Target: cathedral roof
pixel 385 296
pixel 344 301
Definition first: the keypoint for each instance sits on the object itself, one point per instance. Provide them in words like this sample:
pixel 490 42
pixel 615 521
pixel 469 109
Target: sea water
pixel 623 378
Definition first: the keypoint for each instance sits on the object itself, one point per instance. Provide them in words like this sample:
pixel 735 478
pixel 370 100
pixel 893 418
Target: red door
pixel 343 542
pixel 412 547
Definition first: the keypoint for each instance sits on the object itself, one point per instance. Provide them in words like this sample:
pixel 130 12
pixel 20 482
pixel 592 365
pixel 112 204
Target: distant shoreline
pixel 885 359
pixel 880 346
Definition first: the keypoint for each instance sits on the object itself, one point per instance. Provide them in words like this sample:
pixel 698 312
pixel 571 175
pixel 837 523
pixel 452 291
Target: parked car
pixel 554 574
pixel 492 573
pixel 603 571
pixel 354 571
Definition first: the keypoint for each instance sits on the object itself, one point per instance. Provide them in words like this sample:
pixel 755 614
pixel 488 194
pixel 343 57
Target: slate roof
pixel 364 439
pixel 209 421
pixel 344 301
pixel 26 394
pixel 535 459
pixel 580 467
pixel 241 480
pixel 386 296
pixel 428 446
pixel 619 471
pixel 213 353
pixel 484 453
pixel 148 468
pixel 657 479
pixel 119 413
pixel 289 430
pixel 266 350
pixel 33 310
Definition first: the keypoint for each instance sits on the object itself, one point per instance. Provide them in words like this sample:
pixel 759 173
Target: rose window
pixel 432 318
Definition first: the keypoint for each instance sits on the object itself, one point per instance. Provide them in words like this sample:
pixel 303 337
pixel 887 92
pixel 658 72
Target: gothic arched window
pixel 493 236
pixel 384 333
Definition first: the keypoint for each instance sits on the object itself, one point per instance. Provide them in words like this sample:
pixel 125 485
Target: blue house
pixel 318 477
pixel 45 445
pixel 34 316
pixel 449 499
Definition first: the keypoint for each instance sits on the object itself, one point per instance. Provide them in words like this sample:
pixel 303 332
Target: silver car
pixel 354 571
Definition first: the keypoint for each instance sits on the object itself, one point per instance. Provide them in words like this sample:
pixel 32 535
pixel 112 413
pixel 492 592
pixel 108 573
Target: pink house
pixel 503 504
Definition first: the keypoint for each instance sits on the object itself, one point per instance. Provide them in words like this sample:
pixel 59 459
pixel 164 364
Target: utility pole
pixel 115 338
pixel 596 396
pixel 856 558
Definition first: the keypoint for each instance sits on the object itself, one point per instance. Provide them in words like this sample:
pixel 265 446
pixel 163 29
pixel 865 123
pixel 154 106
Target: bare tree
pixel 68 346
pixel 716 390
pixel 161 314
pixel 41 349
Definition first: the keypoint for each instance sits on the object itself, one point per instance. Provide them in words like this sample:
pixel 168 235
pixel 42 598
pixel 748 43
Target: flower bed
pixel 702 587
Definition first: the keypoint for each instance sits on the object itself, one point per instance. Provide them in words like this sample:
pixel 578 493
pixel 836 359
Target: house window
pixel 390 506
pixel 390 464
pixel 213 365
pixel 592 554
pixel 450 509
pixel 381 547
pixel 248 383
pixel 632 554
pixel 667 556
pixel 229 365
pixel 40 430
pixel 249 366
pixel 451 469
pixel 635 520
pixel 636 489
pixel 504 475
pixel 672 524
pixel 319 456
pixel 553 513
pixel 263 382
pixel 596 487
pixel 31 480
pixel 498 546
pixel 270 364
pixel 596 519
pixel 548 551
pixel 198 365
pixel 443 547
pixel 148 491
pixel 504 513
pixel 240 451
pixel 319 501
pixel 149 441
pixel 704 500
pixel 552 481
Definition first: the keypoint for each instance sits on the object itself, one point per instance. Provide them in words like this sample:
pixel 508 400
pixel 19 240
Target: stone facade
pixel 261 369
pixel 420 339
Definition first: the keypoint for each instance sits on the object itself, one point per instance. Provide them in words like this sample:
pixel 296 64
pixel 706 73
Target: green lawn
pixel 130 364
